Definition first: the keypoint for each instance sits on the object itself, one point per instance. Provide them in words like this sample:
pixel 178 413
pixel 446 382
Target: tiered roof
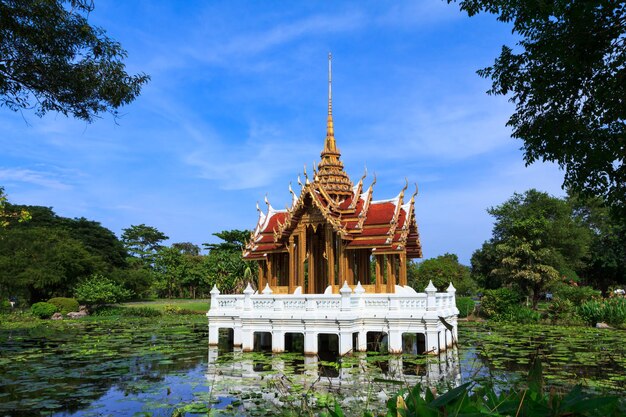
pixel 384 226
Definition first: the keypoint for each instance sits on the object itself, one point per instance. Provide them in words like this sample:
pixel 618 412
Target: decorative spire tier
pixel 331 175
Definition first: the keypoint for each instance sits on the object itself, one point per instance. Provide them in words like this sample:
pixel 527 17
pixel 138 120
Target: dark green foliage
pixel 38 263
pixel 51 59
pixel 224 264
pixel 562 310
pixel 441 271
pixel 143 242
pixel 49 254
pixel 465 305
pixel 518 314
pixel 5 306
pixel 566 77
pixel 97 290
pixel 43 310
pixel 575 294
pixel 536 240
pixel 494 302
pixel 610 310
pixel 64 305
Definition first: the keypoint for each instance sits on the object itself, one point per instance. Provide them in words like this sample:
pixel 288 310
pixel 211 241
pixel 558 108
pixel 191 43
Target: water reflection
pixel 361 376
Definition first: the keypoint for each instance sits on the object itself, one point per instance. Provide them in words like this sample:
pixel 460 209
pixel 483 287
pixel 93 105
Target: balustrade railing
pixel 347 300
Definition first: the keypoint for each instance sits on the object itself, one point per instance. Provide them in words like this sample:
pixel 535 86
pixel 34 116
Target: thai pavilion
pixel 335 263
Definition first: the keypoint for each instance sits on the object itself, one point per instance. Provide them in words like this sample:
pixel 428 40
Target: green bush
pixel 611 311
pixel 518 314
pixel 576 295
pixel 98 290
pixel 494 302
pixel 43 310
pixel 562 310
pixel 64 305
pixel 5 306
pixel 465 305
pixel 172 309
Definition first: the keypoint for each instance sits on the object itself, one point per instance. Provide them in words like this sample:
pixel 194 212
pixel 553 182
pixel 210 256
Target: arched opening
pixel 413 343
pixel 262 342
pixel 225 340
pixel 377 342
pixel 294 342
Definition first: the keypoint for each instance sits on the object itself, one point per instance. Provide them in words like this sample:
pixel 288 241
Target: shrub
pixel 465 305
pixel 561 309
pixel 611 311
pixel 43 310
pixel 494 302
pixel 172 309
pixel 64 305
pixel 5 306
pixel 576 295
pixel 518 314
pixel 98 290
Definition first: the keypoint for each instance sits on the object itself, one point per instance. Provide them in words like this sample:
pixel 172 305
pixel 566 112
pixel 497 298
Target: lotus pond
pixel 163 367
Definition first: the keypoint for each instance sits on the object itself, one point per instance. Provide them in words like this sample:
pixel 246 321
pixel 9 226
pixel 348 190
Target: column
pixel 247 340
pixel 432 339
pixel 330 254
pixel 301 257
pixel 278 341
pixel 270 270
pixel 390 278
pixel 379 274
pixel 292 264
pixel 403 265
pixel 395 341
pixel 312 247
pixel 310 342
pixel 345 342
pixel 214 333
pixel 362 341
pixel 262 278
pixel 350 266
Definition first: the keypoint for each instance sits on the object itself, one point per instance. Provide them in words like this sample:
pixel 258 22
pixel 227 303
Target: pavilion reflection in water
pixel 232 372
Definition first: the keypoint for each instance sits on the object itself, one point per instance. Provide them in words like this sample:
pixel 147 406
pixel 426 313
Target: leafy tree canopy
pixel 443 270
pixel 187 248
pixel 142 241
pixel 51 59
pixel 233 240
pixel 567 78
pixel 6 214
pixel 536 239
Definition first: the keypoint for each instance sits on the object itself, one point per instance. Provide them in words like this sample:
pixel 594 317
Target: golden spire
pixel 330 169
pixel 330 131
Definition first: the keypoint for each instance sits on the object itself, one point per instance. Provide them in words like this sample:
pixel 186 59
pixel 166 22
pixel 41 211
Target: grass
pixel 186 304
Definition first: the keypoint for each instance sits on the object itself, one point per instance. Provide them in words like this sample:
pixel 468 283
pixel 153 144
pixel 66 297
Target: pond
pixel 163 367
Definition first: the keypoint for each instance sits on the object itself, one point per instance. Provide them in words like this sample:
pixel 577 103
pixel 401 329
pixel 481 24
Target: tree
pixel 225 265
pixel 40 263
pixel 233 240
pixel 51 59
pixel 536 239
pixel 567 79
pixel 187 248
pixel 143 241
pixel 441 271
pixel 6 214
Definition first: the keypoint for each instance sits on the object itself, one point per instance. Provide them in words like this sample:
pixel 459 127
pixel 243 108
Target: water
pixel 164 366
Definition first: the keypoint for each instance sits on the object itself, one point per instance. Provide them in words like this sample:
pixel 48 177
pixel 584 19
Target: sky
pixel 237 106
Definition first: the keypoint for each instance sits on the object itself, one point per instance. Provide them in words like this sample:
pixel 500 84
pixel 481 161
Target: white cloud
pixel 40 178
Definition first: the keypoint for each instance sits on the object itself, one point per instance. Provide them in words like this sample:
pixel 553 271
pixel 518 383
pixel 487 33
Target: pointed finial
pixel 306 176
pixel 406 185
pixel 364 173
pixel 415 193
pixel 374 182
pixel 300 181
pixel 330 84
pixel 267 201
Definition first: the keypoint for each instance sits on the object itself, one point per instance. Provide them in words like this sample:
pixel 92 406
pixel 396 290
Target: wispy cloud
pixel 28 176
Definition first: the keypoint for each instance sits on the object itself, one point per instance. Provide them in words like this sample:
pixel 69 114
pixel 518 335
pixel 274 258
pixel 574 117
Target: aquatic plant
pixel 471 399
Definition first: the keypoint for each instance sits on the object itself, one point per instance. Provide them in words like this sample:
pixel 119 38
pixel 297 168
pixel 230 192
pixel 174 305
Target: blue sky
pixel 237 105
